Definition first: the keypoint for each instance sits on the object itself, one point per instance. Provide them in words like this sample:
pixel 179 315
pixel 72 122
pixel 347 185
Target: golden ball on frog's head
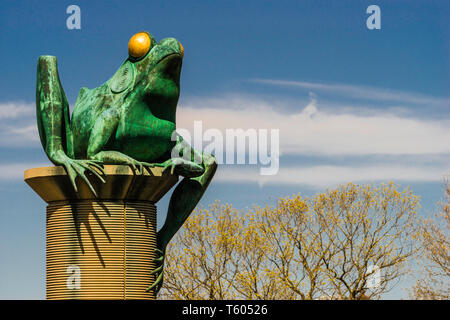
pixel 139 45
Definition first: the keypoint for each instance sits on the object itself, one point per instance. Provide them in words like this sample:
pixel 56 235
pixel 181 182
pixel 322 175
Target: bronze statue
pixel 129 120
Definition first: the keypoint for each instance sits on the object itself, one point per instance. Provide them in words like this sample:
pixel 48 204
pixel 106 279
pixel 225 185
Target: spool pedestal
pixel 100 248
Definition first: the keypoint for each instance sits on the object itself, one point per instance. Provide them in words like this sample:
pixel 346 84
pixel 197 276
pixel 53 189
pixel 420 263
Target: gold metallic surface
pixel 53 184
pixel 111 242
pixel 139 45
pixel 182 50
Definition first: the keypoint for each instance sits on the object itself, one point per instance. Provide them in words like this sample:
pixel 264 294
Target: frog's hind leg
pixel 52 110
pixel 182 202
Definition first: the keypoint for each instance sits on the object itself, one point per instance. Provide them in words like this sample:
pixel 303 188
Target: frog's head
pixel 151 67
pixel 161 58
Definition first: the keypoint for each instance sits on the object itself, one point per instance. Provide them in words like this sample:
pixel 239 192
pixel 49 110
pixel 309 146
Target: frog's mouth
pixel 170 65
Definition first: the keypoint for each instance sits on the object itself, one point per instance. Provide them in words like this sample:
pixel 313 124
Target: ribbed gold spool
pixel 111 244
pixel 100 248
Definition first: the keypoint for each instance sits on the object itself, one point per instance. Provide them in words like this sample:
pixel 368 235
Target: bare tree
pixel 323 247
pixel 435 283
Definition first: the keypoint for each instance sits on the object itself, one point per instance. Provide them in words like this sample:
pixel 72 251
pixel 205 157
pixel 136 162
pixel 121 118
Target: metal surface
pixel 128 120
pixel 111 243
pixel 110 240
pixel 121 183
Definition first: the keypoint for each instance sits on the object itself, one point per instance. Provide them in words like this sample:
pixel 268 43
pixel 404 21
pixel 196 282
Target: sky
pixel 351 104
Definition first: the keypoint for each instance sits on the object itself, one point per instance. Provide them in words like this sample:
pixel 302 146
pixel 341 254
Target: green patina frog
pixel 130 119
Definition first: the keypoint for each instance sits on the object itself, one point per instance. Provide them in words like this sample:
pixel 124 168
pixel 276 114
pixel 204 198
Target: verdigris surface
pixel 127 120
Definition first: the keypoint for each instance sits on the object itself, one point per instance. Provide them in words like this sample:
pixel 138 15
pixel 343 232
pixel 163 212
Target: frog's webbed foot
pixel 158 271
pixel 182 167
pixel 147 166
pixel 138 166
pixel 75 167
pixel 115 157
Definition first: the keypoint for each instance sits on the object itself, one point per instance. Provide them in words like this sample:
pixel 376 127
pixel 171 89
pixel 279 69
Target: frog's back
pixel 89 105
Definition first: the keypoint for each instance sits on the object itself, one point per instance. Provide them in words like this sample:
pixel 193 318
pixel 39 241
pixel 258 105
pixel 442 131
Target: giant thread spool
pixel 100 248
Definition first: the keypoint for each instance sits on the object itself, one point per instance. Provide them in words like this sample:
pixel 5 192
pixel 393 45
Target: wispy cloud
pixel 14 110
pixel 18 124
pixel 329 176
pixel 407 144
pixel 318 132
pixel 310 128
pixel 362 92
pixel 14 171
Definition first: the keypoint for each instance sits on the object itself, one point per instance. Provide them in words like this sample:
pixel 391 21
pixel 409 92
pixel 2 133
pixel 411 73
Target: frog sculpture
pixel 128 120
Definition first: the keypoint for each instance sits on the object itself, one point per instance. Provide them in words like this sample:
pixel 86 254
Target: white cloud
pixel 316 132
pixel 14 171
pixel 18 124
pixel 14 110
pixel 364 92
pixel 311 130
pixel 23 133
pixel 328 176
pixel 19 135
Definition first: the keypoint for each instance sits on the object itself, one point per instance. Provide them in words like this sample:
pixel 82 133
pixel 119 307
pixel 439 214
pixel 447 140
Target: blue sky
pixel 351 104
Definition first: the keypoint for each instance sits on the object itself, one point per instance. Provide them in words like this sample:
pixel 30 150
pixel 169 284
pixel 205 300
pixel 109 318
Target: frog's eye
pixel 181 49
pixel 139 45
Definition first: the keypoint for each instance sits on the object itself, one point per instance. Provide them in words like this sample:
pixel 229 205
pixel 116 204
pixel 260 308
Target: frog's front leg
pixel 105 126
pixel 183 201
pixel 53 118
